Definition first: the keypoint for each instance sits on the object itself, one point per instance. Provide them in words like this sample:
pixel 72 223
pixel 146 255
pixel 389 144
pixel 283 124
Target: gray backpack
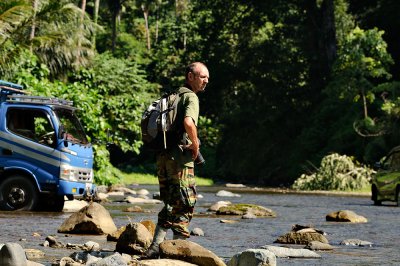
pixel 159 128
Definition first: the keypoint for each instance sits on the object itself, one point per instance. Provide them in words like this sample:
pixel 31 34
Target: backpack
pixel 159 128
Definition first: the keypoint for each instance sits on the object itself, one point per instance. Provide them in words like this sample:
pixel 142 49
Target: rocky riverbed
pixel 229 235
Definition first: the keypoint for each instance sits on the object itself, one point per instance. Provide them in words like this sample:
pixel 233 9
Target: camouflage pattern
pixel 178 192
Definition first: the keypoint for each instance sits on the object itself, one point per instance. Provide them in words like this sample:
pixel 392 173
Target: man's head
pixel 197 76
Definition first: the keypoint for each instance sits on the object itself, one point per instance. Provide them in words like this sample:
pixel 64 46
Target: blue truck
pixel 45 156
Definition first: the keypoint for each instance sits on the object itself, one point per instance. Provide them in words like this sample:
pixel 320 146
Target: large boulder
pixel 242 209
pixel 92 219
pixel 189 252
pixel 135 240
pixel 253 257
pixel 345 216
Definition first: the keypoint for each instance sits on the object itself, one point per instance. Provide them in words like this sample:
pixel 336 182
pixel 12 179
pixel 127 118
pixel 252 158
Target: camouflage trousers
pixel 178 192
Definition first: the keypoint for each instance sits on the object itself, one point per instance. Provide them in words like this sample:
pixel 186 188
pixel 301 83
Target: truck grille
pixel 84 175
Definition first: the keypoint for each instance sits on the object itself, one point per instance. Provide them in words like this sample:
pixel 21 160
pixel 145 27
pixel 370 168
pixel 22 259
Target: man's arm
pixel 191 130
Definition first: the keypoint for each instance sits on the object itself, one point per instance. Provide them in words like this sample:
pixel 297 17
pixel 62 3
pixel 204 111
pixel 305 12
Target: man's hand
pixel 191 130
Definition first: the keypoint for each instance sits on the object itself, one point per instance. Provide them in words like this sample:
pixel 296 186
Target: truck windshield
pixel 72 128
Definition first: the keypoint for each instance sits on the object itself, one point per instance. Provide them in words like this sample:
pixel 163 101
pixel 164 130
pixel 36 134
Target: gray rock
pixel 356 242
pixel 84 255
pixel 316 245
pixel 215 207
pixel 242 209
pixel 12 254
pixel 113 260
pixel 91 246
pixel 224 193
pixel 282 252
pixel 197 232
pixel 253 257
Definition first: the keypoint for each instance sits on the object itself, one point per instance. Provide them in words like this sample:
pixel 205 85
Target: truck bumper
pixel 75 189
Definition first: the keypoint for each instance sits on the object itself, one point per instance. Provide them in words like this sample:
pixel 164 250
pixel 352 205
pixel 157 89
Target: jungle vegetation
pixel 291 81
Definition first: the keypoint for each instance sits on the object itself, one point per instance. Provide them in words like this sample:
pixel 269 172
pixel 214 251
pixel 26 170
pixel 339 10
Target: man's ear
pixel 190 75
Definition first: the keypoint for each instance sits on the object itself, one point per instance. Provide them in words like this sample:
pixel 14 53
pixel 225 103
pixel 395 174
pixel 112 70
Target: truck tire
pixel 18 193
pixel 375 196
pixel 398 196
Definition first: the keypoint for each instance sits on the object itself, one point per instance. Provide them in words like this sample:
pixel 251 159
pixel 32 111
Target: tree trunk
pixel 146 16
pixel 95 19
pixel 33 28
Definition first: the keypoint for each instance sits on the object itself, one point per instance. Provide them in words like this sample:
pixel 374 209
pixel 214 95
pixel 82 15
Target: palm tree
pixel 56 31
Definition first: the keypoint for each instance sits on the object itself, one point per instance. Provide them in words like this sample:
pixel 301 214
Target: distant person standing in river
pixel 175 166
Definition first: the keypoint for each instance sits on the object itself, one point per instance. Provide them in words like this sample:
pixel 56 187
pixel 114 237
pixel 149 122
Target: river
pixel 225 240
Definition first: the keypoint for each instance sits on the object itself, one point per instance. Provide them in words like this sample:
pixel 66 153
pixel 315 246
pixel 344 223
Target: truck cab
pixel 45 156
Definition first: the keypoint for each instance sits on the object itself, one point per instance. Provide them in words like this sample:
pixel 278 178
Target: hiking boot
pixel 153 252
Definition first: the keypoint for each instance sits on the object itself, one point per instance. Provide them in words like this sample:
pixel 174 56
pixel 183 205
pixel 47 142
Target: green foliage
pixel 110 96
pixel 336 172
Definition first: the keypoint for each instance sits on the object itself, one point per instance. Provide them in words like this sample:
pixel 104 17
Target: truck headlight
pixel 68 174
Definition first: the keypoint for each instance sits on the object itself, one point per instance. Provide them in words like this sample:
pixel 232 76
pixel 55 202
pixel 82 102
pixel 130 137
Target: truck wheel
pixel 18 193
pixel 51 203
pixel 375 196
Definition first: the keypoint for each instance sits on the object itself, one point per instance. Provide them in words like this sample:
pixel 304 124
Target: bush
pixel 337 172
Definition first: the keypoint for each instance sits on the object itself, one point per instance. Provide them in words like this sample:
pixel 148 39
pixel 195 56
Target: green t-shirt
pixel 188 107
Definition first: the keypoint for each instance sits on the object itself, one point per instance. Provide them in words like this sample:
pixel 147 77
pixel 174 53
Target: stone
pixel 301 238
pixel 215 207
pixel 345 216
pixel 282 252
pixel 134 200
pixel 114 236
pixel 224 221
pixel 134 209
pixel 197 232
pixel 165 262
pixel 91 246
pixel 92 219
pixel 190 252
pixel 134 240
pixel 143 192
pixel 316 245
pixel 150 225
pixel 12 254
pixel 242 209
pixel 53 242
pixel 225 193
pixel 356 242
pixel 34 253
pixel 113 260
pixel 253 257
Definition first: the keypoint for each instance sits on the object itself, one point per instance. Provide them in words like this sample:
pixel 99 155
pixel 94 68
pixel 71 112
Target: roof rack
pixel 38 100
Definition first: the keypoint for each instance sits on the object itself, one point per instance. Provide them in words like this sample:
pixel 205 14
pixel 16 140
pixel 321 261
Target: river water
pixel 225 240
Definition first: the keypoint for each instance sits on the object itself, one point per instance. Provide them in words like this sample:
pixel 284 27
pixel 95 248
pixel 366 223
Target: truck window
pixel 32 124
pixel 71 126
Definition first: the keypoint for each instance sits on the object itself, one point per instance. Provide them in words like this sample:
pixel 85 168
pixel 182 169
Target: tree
pixel 51 31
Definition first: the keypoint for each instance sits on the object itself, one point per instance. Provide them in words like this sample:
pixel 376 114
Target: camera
pixel 199 159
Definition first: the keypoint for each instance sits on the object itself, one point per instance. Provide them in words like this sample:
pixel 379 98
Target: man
pixel 175 166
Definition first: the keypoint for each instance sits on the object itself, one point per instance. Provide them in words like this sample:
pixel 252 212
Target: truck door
pixel 31 144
